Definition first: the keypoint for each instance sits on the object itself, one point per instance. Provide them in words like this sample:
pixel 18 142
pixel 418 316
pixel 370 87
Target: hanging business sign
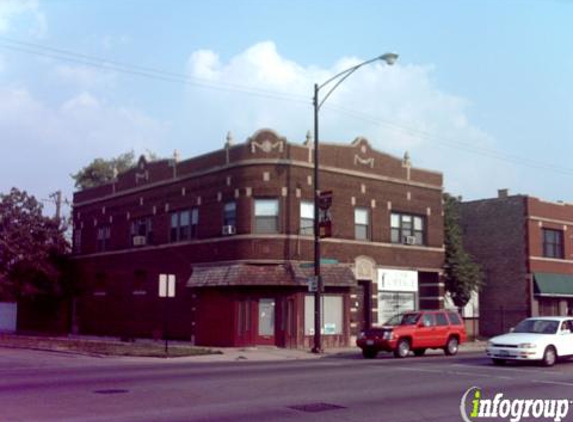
pixel 397 280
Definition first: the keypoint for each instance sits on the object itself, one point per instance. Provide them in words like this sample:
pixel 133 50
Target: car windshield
pixel 404 319
pixel 537 326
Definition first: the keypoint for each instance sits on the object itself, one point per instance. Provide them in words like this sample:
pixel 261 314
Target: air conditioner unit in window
pixel 139 240
pixel 228 230
pixel 410 240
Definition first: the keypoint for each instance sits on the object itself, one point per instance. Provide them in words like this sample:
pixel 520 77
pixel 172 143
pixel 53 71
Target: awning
pixel 553 285
pixel 289 274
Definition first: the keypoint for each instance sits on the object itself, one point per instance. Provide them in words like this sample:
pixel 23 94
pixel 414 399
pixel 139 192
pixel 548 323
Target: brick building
pixel 234 228
pixel 525 249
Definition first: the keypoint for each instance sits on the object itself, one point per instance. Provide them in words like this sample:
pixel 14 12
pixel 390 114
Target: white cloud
pixel 397 108
pixel 84 76
pixel 13 10
pixel 43 145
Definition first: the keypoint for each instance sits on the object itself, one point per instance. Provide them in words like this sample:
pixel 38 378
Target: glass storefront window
pixel 332 313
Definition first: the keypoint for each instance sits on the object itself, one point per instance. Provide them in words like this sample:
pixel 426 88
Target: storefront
pixel 397 292
pixel 250 305
pixel 553 294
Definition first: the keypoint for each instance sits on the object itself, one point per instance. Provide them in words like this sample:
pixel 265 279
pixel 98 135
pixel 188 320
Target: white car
pixel 541 339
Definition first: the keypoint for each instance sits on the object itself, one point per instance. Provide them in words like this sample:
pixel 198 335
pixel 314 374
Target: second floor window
pixel 184 225
pixel 103 236
pixel 141 232
pixel 553 243
pixel 361 224
pixel 307 218
pixel 407 228
pixel 230 214
pixel 266 216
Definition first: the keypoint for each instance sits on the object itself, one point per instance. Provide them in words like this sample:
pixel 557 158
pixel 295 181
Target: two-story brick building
pixel 524 247
pixel 235 229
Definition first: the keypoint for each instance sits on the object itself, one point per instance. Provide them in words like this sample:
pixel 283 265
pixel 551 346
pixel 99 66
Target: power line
pixel 147 72
pixel 168 76
pixel 462 146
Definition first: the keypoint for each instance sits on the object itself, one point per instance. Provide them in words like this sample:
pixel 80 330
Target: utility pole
pixel 57 197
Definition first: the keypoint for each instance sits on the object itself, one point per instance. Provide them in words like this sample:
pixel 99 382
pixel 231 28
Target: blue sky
pixel 482 90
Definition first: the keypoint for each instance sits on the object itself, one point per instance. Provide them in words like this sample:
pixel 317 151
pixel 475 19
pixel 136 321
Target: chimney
pixel 502 193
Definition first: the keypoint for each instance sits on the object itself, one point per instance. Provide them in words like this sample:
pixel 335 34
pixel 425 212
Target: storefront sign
pixel 397 280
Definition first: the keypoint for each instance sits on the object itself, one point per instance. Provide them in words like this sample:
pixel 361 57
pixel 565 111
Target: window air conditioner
pixel 410 240
pixel 139 240
pixel 228 230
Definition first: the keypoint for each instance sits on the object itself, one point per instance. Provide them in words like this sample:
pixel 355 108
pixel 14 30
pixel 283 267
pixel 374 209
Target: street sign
pixel 323 261
pixel 312 284
pixel 166 285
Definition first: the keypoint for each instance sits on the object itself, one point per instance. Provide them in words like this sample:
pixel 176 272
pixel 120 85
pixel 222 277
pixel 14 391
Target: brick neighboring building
pixel 235 229
pixel 525 249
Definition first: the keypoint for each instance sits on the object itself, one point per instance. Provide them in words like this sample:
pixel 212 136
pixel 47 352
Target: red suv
pixel 415 331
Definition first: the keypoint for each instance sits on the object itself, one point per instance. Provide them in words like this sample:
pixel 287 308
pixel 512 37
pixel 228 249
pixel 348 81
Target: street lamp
pixel 390 59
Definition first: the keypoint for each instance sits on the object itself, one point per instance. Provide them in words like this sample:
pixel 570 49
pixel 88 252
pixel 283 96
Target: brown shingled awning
pixel 268 275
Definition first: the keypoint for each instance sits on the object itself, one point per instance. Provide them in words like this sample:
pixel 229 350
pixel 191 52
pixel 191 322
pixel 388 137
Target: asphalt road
pixel 44 386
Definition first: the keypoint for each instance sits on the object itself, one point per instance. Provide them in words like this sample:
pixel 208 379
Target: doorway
pixel 364 305
pixel 266 321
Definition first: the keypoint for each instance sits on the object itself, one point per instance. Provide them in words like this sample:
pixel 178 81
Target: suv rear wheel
pixel 402 348
pixel 451 346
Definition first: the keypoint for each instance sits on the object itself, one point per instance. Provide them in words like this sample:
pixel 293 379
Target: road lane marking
pixel 567 384
pixel 441 371
pixel 498 368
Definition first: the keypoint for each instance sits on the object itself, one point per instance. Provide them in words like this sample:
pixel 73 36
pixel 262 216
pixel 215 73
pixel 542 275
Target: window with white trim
pixel 361 224
pixel 266 216
pixel 230 214
pixel 407 228
pixel 553 243
pixel 141 232
pixel 184 225
pixel 307 218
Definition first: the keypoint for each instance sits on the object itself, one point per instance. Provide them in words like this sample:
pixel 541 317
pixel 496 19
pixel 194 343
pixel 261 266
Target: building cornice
pixel 552 260
pixel 251 237
pixel 256 162
pixel 549 220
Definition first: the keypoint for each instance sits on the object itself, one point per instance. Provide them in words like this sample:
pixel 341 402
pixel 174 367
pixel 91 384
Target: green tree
pixel 32 247
pixel 101 171
pixel 462 275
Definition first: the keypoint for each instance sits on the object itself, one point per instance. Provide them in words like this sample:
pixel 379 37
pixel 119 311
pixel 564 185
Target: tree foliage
pixel 462 275
pixel 32 247
pixel 101 171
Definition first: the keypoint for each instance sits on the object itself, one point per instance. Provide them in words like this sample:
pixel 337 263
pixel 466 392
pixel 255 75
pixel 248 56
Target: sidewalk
pixel 270 353
pixel 89 345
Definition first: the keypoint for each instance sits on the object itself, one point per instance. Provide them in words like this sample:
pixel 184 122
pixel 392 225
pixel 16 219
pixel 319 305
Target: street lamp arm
pixel 346 74
pixel 349 71
pixel 389 58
